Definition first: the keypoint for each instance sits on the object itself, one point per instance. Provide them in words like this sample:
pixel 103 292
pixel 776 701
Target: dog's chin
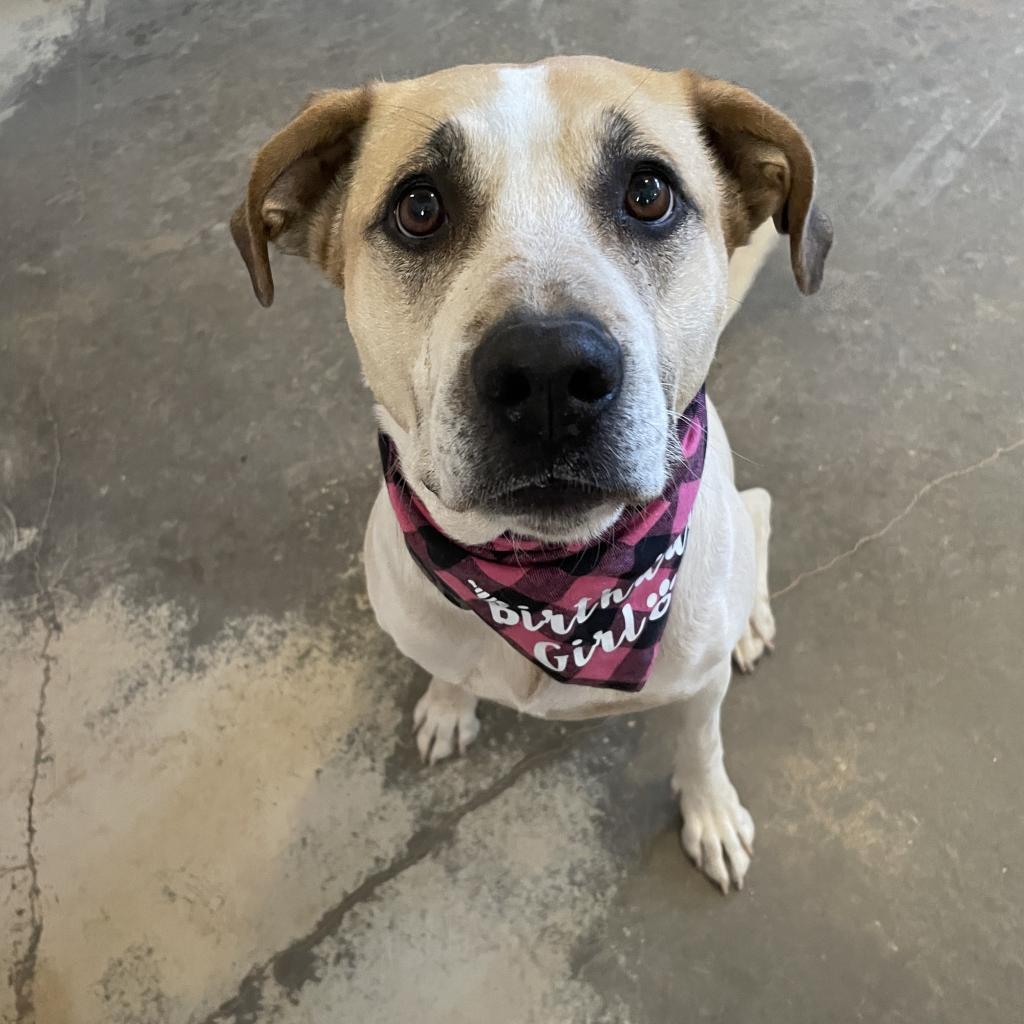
pixel 560 512
pixel 579 527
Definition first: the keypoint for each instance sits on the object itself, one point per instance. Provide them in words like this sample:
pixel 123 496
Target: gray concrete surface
pixel 210 804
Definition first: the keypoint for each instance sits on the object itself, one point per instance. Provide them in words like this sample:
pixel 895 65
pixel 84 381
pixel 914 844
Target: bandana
pixel 591 614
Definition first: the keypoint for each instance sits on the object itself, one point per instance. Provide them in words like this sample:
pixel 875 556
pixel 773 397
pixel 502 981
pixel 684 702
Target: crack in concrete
pixel 296 964
pixel 23 972
pixel 953 474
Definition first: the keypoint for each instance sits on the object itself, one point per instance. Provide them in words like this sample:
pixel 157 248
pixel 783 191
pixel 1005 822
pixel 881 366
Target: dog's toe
pixel 445 721
pixel 718 833
pixel 758 637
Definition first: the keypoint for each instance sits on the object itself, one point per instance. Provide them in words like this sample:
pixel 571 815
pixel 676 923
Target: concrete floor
pixel 210 805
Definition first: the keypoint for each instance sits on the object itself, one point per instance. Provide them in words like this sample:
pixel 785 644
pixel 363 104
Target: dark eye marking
pixel 430 213
pixel 434 197
pixel 634 187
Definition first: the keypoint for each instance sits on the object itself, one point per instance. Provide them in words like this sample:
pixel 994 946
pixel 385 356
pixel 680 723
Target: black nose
pixel 547 380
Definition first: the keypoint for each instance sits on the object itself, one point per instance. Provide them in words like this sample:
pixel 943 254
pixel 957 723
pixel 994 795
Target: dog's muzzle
pixel 547 395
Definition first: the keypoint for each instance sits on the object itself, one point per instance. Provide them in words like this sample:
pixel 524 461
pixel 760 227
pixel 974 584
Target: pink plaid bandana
pixel 591 614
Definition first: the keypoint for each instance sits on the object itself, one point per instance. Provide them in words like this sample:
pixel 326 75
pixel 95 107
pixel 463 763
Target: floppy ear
pixel 767 169
pixel 293 182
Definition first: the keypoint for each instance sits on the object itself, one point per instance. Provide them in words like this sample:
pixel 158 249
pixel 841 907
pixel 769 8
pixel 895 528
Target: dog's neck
pixel 587 613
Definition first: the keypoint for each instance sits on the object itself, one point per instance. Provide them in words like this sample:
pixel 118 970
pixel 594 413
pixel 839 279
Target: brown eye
pixel 648 197
pixel 419 211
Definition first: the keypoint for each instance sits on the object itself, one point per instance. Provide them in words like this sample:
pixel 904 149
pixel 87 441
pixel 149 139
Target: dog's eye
pixel 419 211
pixel 648 197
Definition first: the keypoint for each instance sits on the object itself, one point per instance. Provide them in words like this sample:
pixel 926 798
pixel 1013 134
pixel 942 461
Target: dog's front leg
pixel 445 720
pixel 718 832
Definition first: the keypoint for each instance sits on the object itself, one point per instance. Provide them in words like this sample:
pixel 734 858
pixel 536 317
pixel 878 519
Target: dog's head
pixel 534 262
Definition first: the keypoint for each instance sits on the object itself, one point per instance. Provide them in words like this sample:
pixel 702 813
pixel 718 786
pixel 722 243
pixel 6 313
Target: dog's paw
pixel 445 721
pixel 758 637
pixel 718 832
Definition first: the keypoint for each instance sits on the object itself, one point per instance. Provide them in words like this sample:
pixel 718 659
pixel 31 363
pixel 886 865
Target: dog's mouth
pixel 555 496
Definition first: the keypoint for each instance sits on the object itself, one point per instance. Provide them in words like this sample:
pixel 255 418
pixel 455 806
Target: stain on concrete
pixel 35 34
pixel 487 920
pixel 131 987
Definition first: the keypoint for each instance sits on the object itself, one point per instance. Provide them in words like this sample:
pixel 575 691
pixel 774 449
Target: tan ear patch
pixel 291 177
pixel 767 170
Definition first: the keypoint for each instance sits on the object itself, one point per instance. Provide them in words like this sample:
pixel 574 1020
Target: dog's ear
pixel 289 200
pixel 767 169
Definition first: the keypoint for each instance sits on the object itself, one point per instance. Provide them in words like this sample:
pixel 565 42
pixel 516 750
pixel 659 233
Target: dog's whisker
pixel 689 422
pixel 425 119
pixel 643 81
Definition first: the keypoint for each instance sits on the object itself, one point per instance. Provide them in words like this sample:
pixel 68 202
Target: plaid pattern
pixel 591 614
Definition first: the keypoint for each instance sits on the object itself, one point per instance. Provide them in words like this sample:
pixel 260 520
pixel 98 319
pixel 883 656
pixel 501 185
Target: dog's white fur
pixel 529 130
pixel 721 608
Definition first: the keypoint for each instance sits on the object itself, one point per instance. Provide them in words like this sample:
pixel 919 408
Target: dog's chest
pixel 507 678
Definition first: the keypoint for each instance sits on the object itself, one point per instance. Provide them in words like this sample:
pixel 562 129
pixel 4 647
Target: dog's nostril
pixel 589 384
pixel 510 388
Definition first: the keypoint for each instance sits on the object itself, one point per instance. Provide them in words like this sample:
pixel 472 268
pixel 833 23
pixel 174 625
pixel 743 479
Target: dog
pixel 537 262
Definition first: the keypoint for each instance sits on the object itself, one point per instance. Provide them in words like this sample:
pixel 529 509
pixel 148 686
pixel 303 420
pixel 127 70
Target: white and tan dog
pixel 506 209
